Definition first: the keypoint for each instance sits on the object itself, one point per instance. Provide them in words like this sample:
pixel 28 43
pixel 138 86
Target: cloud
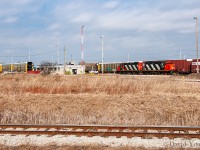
pixel 10 20
pixel 66 10
pixel 127 25
pixel 148 20
pixel 10 7
pixel 11 2
pixel 111 4
pixel 82 18
pixel 54 26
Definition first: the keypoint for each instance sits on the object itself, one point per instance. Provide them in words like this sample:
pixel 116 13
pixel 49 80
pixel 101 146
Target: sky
pixel 134 30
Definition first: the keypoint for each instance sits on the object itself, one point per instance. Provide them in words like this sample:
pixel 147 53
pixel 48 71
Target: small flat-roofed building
pixel 69 69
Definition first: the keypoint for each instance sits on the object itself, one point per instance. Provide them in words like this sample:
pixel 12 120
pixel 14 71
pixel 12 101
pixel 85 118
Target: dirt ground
pixel 97 147
pixel 194 76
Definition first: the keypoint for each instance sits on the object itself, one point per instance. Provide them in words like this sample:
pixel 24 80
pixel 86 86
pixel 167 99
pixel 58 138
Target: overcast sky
pixel 144 29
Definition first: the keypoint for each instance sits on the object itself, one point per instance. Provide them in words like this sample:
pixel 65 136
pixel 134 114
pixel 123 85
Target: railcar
pixel 22 67
pixel 18 67
pixel 147 67
pixel 108 67
pixel 194 65
pixel 182 66
pixel 185 66
pixel 5 67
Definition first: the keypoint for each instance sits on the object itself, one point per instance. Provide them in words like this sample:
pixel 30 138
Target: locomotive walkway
pixel 171 132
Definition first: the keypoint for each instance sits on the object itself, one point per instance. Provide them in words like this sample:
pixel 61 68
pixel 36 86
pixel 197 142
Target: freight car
pixel 194 65
pixel 108 67
pixel 23 67
pixel 185 66
pixel 147 67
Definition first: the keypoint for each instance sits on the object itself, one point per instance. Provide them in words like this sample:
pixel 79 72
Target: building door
pixel 74 71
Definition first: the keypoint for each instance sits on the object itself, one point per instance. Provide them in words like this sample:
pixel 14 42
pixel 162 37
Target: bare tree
pixel 47 67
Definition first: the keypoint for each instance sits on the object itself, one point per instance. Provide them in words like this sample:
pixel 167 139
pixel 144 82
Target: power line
pixel 31 54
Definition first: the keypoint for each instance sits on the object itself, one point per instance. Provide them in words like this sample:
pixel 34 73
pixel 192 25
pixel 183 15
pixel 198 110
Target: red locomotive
pixel 147 67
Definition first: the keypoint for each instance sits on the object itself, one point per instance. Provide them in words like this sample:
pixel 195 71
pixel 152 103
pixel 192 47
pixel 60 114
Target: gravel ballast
pixel 60 140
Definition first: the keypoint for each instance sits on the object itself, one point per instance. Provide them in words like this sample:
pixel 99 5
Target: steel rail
pixel 114 127
pixel 104 130
pixel 103 134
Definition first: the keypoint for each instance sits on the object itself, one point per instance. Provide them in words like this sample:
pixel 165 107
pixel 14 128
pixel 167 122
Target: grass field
pixel 125 100
pixel 109 99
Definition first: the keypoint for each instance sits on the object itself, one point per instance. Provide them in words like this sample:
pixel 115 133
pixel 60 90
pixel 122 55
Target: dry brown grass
pixel 35 99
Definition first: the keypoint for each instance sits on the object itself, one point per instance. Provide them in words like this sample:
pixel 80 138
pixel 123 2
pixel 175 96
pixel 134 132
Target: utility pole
pixel 128 56
pixel 180 55
pixel 29 56
pixel 82 48
pixel 102 58
pixel 52 59
pixel 57 54
pixel 12 57
pixel 64 60
pixel 196 18
pixel 12 62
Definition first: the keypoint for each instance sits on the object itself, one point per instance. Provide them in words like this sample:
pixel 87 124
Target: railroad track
pixel 104 131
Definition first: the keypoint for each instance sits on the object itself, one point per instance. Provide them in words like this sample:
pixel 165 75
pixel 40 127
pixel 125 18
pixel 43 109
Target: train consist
pixel 142 67
pixel 151 67
pixel 22 67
